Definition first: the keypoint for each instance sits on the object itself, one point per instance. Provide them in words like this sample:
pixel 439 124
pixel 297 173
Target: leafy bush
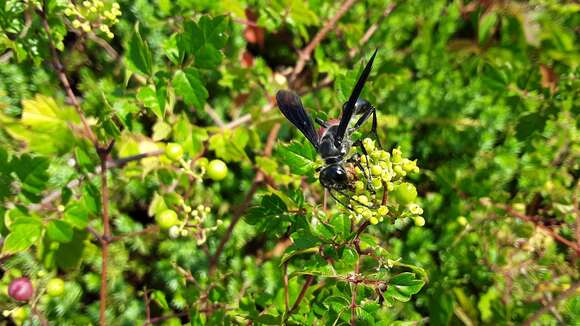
pixel 147 177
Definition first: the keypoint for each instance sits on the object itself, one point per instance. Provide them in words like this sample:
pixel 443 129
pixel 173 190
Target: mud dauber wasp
pixel 334 141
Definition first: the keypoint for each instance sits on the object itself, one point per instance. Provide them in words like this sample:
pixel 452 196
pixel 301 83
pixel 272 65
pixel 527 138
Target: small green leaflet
pixel 139 57
pixel 189 86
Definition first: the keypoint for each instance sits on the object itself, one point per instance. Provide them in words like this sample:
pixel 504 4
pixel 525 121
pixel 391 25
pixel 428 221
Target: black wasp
pixel 334 142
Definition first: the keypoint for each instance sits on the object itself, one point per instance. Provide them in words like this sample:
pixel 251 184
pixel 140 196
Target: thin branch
pixel 354 293
pixel 576 194
pixel 372 29
pixel 246 203
pixel 214 116
pixel 548 230
pixel 147 307
pixel 149 230
pixel 286 296
pixel 104 154
pixel 305 54
pixel 300 297
pixel 58 66
pixel 563 296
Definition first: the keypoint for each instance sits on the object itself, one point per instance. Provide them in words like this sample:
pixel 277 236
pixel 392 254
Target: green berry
pixel 462 220
pixel 19 315
pixel 55 287
pixel 405 193
pixel 174 151
pixel 167 219
pixel 217 170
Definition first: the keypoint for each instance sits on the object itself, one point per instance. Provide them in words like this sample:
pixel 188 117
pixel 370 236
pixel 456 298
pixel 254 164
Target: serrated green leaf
pixel 208 57
pixel 189 86
pixel 159 298
pixel 148 97
pixel 139 57
pixel 486 26
pixel 21 238
pixel 298 157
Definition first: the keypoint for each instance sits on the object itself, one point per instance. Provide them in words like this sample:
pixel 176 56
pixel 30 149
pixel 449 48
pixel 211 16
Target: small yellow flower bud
pixel 86 3
pixel 363 200
pixel 86 27
pixel 374 220
pixel 376 170
pixel 76 23
pixel 369 144
pixel 383 210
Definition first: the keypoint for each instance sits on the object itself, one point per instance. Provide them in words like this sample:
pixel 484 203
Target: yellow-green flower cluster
pixel 378 174
pixel 193 224
pixel 94 15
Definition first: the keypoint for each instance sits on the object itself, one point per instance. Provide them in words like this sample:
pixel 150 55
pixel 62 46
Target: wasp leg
pixel 370 111
pixel 366 154
pixel 355 159
pixel 350 197
pixel 322 123
pixel 338 200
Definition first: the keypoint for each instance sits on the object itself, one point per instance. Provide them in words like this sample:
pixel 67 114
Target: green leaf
pixel 33 174
pixel 528 124
pixel 21 238
pixel 188 85
pixel 139 57
pixel 208 57
pixel 148 97
pixel 268 319
pixel 298 157
pixel 161 130
pixel 44 125
pixel 403 286
pixel 77 216
pixel 59 231
pixel 5 175
pixel 341 224
pixel 486 26
pixel 69 254
pixel 292 251
pixel 159 298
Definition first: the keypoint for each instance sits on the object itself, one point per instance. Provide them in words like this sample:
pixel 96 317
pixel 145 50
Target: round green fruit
pixel 174 151
pixel 55 287
pixel 167 219
pixel 19 315
pixel 405 193
pixel 217 170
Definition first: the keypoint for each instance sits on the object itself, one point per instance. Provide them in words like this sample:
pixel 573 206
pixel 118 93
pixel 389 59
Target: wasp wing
pixel 291 106
pixel 348 110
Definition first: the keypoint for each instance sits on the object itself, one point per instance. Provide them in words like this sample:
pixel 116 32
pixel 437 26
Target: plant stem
pixel 371 30
pixel 548 230
pixel 106 238
pixel 564 295
pixel 304 55
pixel 61 73
pixel 300 297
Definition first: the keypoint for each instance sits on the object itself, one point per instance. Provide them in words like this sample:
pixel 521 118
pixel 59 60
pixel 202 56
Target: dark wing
pixel 348 110
pixel 291 106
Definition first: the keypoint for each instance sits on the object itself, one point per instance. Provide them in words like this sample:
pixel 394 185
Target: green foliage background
pixel 484 94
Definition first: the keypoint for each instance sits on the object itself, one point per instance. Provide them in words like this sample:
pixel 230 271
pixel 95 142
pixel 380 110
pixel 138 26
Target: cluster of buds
pixel 193 224
pixel 380 190
pixel 94 15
